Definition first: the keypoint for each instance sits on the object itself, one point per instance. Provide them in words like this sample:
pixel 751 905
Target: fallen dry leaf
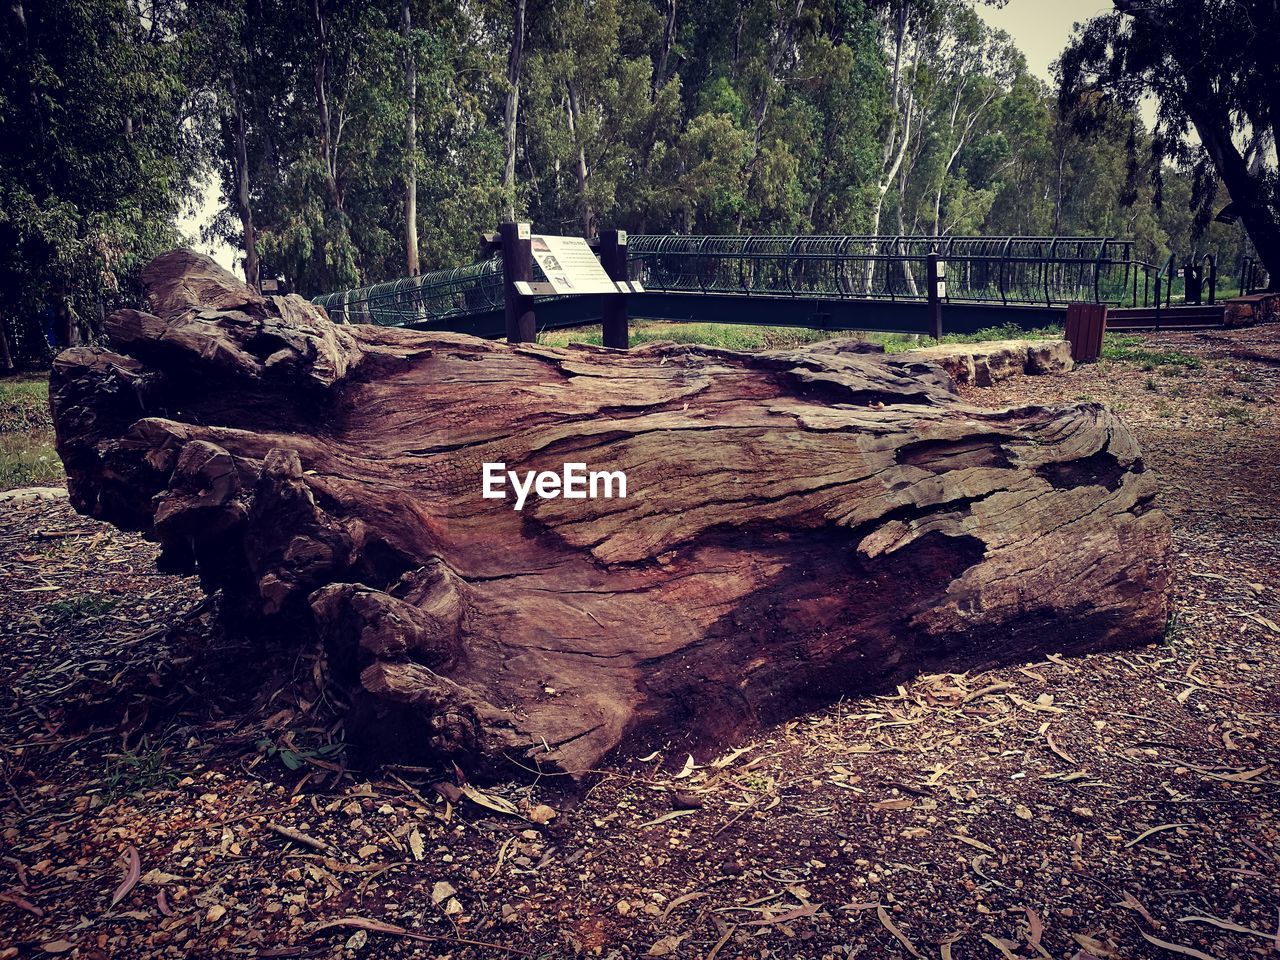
pixel 901 937
pixel 1228 925
pixel 667 816
pixel 1154 830
pixel 808 910
pixel 489 801
pixel 132 873
pixel 1177 947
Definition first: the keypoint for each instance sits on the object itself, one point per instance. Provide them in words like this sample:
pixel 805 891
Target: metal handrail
pixel 1011 270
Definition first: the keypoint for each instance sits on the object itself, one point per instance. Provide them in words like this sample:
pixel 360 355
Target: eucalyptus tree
pixel 975 66
pixel 96 159
pixel 1213 67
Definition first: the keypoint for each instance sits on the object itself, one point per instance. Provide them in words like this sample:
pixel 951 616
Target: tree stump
pixel 798 525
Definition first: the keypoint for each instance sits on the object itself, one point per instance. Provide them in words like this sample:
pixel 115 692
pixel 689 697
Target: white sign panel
pixel 570 265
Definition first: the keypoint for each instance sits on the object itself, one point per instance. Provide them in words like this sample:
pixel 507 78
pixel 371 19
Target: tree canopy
pixel 323 122
pixel 1213 67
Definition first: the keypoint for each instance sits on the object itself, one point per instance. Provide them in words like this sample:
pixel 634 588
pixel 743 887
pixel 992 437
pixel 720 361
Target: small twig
pixel 298 836
pixel 745 810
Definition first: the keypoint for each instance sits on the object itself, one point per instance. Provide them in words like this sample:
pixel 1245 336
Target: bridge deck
pixel 829 283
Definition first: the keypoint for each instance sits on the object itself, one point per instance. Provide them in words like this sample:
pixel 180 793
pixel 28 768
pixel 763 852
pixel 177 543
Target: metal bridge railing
pixel 1006 270
pixel 438 295
pixel 1045 271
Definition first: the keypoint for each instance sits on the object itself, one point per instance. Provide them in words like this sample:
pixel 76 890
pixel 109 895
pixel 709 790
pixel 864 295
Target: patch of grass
pixel 85 607
pixel 292 756
pixel 895 343
pixel 27 454
pixel 24 404
pixel 1174 629
pixel 1132 349
pixel 727 336
pixel 758 782
pixel 28 459
pixel 144 768
pixel 1235 412
pixel 745 337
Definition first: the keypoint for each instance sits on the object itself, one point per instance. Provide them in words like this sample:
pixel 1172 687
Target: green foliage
pixel 146 767
pixel 27 455
pixel 1211 67
pixel 293 757
pixel 83 607
pixel 1131 349
pixel 95 161
pixel 747 116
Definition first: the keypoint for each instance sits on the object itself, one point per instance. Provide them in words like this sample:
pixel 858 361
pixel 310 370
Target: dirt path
pixel 1092 807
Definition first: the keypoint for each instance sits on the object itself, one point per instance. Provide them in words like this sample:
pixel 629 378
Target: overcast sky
pixel 1040 28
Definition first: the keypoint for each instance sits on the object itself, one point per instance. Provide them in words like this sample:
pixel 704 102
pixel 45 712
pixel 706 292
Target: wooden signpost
pixel 937 283
pixel 517 269
pixel 613 310
pixel 571 269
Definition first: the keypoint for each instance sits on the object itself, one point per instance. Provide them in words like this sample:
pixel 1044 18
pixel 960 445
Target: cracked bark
pixel 799 525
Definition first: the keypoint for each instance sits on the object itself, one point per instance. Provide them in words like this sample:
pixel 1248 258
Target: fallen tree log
pixel 797 525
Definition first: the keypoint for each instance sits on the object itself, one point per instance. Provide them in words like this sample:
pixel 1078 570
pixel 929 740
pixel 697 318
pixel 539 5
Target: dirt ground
pixel 169 791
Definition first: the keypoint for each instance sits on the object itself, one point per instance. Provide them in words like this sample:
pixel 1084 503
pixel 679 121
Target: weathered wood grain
pixel 799 525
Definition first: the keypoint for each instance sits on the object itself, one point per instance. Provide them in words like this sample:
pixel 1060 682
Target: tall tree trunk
pixel 328 142
pixel 1207 107
pixel 1059 184
pixel 782 41
pixel 410 144
pixel 895 146
pixel 760 109
pixel 65 330
pixel 18 13
pixel 737 39
pixel 515 62
pixel 243 208
pixel 1246 190
pixel 883 188
pixel 668 38
pixel 584 175
pixel 6 353
pixel 908 274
